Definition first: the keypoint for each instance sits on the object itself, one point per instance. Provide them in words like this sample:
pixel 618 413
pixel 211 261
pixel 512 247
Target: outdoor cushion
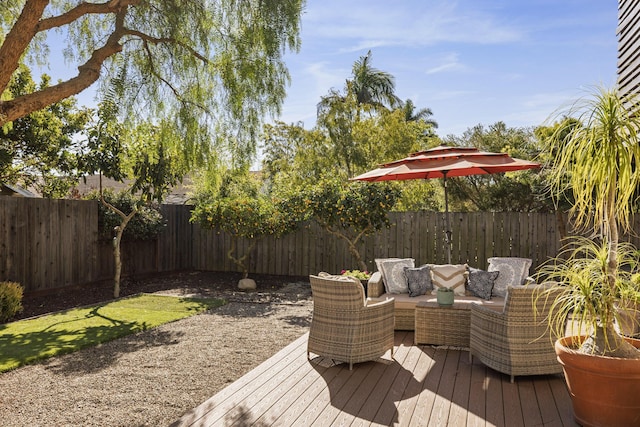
pixel 513 271
pixel 449 276
pixel 418 280
pixel 404 301
pixel 393 276
pixel 480 283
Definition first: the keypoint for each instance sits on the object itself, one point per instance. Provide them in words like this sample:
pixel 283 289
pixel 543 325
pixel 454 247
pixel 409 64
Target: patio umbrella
pixel 444 162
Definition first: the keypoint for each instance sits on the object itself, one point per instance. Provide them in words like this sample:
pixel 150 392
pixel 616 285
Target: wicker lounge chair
pixel 344 327
pixel 516 341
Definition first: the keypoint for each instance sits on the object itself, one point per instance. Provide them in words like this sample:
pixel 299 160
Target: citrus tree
pixel 349 211
pixel 144 156
pixel 239 208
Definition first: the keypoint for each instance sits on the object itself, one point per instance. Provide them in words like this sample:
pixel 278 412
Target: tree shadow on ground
pixel 303 321
pixel 100 357
pixel 375 400
pixel 242 417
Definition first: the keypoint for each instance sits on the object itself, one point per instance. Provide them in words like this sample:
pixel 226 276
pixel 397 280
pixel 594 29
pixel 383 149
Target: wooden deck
pixel 422 386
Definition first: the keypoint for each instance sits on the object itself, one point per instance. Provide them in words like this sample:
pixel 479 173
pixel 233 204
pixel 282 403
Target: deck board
pixel 420 386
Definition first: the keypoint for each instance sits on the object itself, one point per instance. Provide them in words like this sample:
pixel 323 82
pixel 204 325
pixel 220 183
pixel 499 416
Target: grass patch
pixel 26 341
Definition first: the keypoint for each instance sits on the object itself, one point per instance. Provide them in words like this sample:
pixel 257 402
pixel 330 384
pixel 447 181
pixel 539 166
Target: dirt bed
pixel 153 377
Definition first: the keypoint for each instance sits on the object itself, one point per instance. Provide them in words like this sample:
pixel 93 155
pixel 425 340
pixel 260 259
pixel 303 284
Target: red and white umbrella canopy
pixel 445 162
pixel 441 162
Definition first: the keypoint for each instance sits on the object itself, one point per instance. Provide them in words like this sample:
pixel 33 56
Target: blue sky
pixel 470 61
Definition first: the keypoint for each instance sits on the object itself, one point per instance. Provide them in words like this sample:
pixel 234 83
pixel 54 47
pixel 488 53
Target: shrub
pixel 146 224
pixel 10 300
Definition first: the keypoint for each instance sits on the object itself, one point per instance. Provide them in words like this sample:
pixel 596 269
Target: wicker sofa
pixel 405 305
pixel 512 271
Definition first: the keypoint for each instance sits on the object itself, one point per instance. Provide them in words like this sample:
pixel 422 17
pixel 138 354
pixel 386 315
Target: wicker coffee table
pixel 440 325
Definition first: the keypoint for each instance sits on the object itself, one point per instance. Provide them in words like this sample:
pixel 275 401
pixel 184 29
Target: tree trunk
pixel 116 250
pixel 351 245
pixel 240 262
pixel 612 256
pixel 607 342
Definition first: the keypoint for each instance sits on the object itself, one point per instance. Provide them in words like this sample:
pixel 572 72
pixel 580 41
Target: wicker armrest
pixel 375 304
pixel 482 317
pixel 375 286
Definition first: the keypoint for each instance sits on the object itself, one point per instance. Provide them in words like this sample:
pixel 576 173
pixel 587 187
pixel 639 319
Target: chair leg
pixel 470 357
pixel 350 366
pixel 512 378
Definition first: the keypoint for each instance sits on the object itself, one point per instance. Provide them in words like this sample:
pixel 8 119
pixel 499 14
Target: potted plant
pixel 445 297
pixel 595 159
pixel 363 276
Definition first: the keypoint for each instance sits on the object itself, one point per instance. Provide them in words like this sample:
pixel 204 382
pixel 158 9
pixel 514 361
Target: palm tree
pixel 369 86
pixel 423 114
pixel 372 86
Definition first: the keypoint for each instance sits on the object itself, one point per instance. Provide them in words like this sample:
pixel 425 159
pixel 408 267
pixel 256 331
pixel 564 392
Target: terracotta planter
pixel 605 391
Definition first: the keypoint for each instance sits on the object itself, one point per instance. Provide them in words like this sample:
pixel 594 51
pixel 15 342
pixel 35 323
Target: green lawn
pixel 26 341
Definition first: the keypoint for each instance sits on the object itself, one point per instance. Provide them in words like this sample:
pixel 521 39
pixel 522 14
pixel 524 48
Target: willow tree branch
pixel 88 73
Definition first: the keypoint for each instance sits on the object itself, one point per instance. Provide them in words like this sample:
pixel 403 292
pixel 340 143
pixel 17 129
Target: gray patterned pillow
pixel 513 271
pixel 480 282
pixel 392 270
pixel 418 280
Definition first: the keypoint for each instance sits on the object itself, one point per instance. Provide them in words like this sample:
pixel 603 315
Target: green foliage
pixel 39 150
pixel 362 207
pixel 10 300
pixel 514 191
pixel 355 144
pixel 238 207
pixel 598 157
pixel 360 275
pixel 208 69
pixel 27 341
pixel 355 131
pixel 145 225
pixel 349 211
pixel 581 269
pixel 372 86
pixel 419 195
pixel 423 114
pixel 296 158
pixel 244 217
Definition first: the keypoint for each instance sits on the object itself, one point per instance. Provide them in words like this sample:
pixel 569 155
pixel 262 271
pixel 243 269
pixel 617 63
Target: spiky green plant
pixel 597 162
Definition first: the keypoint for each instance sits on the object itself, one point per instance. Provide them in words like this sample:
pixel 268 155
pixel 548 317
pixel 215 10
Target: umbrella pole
pixel 447 219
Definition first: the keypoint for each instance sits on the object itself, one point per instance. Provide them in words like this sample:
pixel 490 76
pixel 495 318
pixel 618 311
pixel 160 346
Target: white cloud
pixel 368 24
pixel 449 62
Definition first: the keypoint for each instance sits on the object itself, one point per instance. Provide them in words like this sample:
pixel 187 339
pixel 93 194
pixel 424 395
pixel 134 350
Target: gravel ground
pixel 153 377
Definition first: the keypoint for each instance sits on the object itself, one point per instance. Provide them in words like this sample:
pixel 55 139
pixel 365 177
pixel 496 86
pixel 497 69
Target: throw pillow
pixel 449 276
pixel 392 270
pixel 481 282
pixel 418 280
pixel 513 271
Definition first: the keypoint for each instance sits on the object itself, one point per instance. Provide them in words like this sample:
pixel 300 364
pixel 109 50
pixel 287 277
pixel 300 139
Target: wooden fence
pixel 48 244
pixel 420 235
